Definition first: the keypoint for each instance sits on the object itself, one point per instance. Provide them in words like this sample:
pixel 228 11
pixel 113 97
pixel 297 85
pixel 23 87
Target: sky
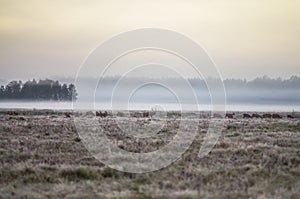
pixel 245 39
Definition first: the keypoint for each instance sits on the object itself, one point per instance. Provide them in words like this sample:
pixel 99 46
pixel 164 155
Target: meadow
pixel 42 156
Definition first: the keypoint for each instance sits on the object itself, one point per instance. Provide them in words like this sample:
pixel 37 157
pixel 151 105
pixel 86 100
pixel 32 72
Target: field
pixel 42 156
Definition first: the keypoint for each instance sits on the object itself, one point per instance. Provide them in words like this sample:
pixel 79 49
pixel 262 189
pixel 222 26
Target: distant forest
pixel 260 83
pixel 42 90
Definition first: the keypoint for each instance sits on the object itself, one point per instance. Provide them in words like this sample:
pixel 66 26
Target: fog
pixel 262 90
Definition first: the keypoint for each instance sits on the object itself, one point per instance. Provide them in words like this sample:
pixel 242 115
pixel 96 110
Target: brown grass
pixel 42 156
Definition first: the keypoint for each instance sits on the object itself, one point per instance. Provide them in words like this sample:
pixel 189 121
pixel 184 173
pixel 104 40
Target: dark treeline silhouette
pixel 264 82
pixel 42 90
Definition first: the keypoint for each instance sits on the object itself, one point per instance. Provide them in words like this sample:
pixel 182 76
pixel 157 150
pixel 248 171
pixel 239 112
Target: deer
pixel 255 115
pixel 267 115
pixel 146 114
pixel 101 114
pixel 276 116
pixel 68 115
pixel 246 115
pixel 229 115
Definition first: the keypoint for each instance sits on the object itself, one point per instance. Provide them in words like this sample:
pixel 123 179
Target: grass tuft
pixel 79 174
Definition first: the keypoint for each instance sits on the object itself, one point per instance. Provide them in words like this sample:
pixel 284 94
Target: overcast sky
pixel 245 39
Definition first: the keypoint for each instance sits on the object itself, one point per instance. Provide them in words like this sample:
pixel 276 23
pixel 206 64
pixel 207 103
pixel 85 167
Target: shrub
pixel 77 139
pixel 78 174
pixel 109 173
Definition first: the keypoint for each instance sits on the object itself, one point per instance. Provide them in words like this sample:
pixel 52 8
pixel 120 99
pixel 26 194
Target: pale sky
pixel 245 39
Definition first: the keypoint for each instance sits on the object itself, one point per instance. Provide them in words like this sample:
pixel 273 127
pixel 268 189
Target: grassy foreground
pixel 41 156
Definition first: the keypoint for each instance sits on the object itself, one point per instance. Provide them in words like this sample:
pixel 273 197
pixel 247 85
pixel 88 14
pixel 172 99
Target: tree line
pixel 38 90
pixel 259 83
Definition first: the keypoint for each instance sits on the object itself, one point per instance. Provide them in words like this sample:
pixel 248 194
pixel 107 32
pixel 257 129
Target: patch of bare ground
pixel 42 156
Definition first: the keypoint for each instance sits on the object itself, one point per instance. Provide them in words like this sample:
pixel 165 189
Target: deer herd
pixel 101 114
pixel 256 115
pixel 150 114
pixel 147 114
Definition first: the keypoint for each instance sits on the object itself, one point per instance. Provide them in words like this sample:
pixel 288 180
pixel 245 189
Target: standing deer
pixel 146 114
pixel 229 115
pixel 267 115
pixel 255 115
pixel 246 115
pixel 100 114
pixel 276 116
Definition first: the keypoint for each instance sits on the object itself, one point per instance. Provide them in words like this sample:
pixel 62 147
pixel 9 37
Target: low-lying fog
pixel 259 91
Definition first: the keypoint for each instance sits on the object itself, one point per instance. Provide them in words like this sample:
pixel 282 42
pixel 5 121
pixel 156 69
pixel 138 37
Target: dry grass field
pixel 42 156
